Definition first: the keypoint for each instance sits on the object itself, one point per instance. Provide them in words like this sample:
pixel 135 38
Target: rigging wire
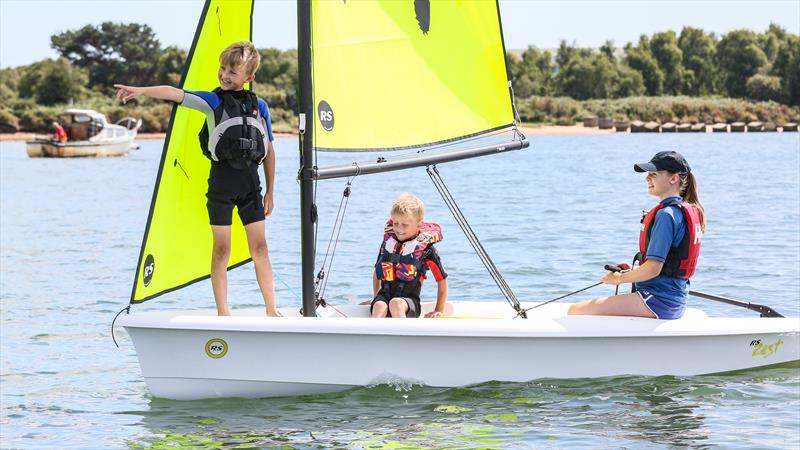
pixel 505 289
pixel 517 119
pixel 321 281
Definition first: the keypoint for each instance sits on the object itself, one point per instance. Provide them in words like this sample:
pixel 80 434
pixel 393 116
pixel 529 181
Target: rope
pixel 564 296
pixel 127 310
pixel 517 119
pixel 505 289
pixel 277 277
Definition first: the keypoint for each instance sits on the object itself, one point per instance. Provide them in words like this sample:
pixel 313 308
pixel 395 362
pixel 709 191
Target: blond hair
pixel 688 191
pixel 242 52
pixel 408 205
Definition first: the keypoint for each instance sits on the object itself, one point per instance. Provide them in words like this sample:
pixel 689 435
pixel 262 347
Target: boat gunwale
pixel 558 327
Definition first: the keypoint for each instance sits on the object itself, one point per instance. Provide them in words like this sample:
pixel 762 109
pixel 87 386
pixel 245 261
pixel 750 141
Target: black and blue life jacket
pixel 239 134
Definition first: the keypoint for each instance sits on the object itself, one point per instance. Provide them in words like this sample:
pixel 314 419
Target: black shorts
pixel 229 187
pixel 413 305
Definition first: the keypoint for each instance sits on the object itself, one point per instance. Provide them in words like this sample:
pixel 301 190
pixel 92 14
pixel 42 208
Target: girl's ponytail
pixel 688 191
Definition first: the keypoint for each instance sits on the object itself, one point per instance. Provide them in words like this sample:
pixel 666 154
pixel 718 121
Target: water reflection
pixel 622 411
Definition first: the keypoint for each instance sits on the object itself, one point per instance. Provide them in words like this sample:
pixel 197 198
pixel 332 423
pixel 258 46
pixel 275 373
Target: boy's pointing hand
pixel 125 93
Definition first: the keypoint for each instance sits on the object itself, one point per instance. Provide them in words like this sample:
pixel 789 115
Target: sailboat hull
pixel 194 356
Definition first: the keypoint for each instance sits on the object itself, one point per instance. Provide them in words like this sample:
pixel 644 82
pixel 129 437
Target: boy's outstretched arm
pixel 441 299
pixel 125 93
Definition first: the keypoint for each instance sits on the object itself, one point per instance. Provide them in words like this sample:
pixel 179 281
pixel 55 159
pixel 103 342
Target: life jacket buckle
pixel 248 144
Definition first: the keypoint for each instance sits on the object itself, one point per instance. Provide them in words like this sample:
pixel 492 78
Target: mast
pixel 305 175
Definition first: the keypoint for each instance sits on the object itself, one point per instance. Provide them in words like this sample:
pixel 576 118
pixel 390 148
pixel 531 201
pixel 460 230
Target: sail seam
pixel 417 146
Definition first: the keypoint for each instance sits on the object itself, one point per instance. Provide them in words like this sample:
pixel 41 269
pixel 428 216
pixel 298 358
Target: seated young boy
pixel 404 258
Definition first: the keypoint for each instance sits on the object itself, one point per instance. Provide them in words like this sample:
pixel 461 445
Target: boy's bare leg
pixel 380 309
pixel 220 256
pixel 260 254
pixel 398 308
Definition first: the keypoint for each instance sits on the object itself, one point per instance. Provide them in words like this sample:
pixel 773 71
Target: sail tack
pixel 177 244
pixel 402 74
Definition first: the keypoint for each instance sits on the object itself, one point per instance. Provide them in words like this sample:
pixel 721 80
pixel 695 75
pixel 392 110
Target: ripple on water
pixel 65 277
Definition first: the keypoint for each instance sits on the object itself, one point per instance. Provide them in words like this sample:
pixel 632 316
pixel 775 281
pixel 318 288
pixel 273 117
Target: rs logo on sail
pixel 148 269
pixel 765 350
pixel 325 114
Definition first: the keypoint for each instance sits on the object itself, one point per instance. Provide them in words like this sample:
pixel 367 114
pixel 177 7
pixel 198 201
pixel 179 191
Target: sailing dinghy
pixel 450 57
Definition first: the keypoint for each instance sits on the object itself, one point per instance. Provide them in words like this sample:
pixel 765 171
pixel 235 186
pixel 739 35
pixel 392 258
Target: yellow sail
pixel 176 249
pixel 398 74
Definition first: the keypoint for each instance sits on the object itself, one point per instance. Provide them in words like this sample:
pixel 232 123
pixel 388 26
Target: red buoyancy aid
pixel 400 263
pixel 681 260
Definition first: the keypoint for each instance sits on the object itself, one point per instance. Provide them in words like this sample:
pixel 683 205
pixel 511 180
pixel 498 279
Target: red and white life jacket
pixel 681 260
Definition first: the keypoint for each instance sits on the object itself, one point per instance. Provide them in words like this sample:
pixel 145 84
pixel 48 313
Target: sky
pixel 26 25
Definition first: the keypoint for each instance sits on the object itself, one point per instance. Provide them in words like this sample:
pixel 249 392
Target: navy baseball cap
pixel 668 160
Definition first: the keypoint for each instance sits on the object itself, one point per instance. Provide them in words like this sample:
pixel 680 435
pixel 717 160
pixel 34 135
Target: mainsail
pixel 400 74
pixel 177 243
pixel 390 75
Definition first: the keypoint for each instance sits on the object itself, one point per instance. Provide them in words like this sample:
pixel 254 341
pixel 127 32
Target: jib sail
pixel 177 243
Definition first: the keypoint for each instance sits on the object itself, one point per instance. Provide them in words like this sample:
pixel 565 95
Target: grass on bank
pixel 27 116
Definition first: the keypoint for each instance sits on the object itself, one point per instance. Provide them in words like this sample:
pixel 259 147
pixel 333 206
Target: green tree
pixel 771 41
pixel 739 58
pixel 587 77
pixel 531 72
pixel 608 49
pixel 564 53
pixel 523 87
pixel 9 85
pixel 51 82
pixel 276 78
pixel 699 51
pixel 112 52
pixel 171 63
pixel 764 87
pixel 641 59
pixel 665 50
pixel 787 67
pixel 628 83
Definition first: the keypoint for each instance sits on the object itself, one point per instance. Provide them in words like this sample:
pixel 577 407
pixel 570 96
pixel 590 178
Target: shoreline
pixel 540 130
pixel 544 130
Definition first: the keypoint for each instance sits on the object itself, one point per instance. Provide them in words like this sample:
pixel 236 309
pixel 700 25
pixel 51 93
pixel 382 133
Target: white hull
pixel 113 140
pixel 296 356
pixel 50 149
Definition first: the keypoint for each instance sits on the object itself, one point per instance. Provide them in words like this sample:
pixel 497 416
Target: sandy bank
pixel 562 130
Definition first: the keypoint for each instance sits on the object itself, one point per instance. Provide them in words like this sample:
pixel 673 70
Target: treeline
pixel 660 76
pixel 93 58
pixel 740 64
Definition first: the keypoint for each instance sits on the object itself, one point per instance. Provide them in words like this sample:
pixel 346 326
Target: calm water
pixel 550 216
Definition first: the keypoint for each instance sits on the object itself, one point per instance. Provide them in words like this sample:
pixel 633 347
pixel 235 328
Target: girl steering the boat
pixel 669 245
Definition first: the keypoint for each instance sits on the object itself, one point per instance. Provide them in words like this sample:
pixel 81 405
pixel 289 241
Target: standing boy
pixel 404 258
pixel 236 137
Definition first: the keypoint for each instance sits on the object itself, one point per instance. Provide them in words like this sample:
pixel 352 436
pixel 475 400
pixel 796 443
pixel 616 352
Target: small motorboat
pixel 88 134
